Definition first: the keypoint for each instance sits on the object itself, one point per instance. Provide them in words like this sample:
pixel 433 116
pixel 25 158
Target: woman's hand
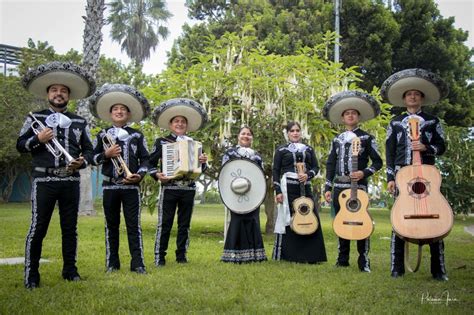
pixel 279 198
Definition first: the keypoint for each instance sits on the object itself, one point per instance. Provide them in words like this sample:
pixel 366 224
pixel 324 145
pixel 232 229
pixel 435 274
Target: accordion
pixel 181 159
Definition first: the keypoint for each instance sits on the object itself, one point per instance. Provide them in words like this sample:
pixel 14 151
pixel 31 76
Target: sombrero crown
pixel 189 109
pixel 431 85
pixel 111 94
pixel 364 103
pixel 77 79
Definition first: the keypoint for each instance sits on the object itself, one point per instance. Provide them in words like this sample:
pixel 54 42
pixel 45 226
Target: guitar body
pixel 420 213
pixel 353 221
pixel 304 221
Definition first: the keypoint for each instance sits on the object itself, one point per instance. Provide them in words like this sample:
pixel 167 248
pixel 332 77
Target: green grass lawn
pixel 206 285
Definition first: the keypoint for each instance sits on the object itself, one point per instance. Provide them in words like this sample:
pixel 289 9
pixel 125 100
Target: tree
pixel 137 26
pixel 238 82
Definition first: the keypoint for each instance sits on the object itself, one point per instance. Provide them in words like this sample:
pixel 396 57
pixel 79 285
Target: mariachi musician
pixel 413 88
pixel 349 108
pixel 178 116
pixel 59 143
pixel 123 154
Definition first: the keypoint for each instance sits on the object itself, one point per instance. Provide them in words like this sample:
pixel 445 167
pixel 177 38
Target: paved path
pixel 469 229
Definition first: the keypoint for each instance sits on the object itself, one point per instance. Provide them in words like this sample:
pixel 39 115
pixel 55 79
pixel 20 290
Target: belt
pixel 59 171
pixel 112 180
pixel 179 183
pixel 342 179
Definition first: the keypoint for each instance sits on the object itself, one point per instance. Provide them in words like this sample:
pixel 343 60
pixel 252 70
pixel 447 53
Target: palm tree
pixel 137 26
pixel 94 21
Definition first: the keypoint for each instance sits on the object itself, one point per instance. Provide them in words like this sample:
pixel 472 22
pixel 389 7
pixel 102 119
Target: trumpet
pixel 53 146
pixel 118 162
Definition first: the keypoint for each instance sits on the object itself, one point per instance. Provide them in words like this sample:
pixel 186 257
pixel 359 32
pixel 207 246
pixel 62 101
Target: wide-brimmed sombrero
pixel 431 85
pixel 364 103
pixel 191 110
pixel 110 94
pixel 77 79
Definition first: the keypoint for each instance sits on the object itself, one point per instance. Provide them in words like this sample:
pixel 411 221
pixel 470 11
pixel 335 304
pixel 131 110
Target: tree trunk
pixel 269 204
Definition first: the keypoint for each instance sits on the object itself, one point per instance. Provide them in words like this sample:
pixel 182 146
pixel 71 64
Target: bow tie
pixel 297 147
pixel 118 133
pixel 245 152
pixel 58 119
pixel 183 138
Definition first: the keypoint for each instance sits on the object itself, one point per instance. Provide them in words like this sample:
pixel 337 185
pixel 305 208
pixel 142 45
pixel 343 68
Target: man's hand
pixel 77 163
pixel 357 175
pixel 132 179
pixel 203 158
pixel 161 177
pixel 113 151
pixel 45 135
pixel 391 187
pixel 279 198
pixel 418 146
pixel 327 196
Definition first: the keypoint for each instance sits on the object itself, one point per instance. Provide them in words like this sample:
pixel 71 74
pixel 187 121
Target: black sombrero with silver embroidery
pixel 364 103
pixel 111 94
pixel 431 85
pixel 191 110
pixel 77 79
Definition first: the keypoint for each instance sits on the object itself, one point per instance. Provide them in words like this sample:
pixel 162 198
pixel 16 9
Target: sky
pixel 60 23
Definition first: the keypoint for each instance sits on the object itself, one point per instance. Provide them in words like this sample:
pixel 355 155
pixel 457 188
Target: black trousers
pixel 44 194
pixel 170 198
pixel 128 197
pixel 398 256
pixel 344 246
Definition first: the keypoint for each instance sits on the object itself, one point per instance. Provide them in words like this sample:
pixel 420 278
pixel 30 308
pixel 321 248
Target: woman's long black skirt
pixel 300 248
pixel 244 241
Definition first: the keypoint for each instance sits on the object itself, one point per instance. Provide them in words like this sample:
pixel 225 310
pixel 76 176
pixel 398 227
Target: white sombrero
pixel 242 185
pixel 191 110
pixel 364 103
pixel 431 85
pixel 77 79
pixel 110 94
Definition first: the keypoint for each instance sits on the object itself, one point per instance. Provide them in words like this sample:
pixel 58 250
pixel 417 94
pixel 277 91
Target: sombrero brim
pixel 109 95
pixel 79 82
pixel 191 110
pixel 365 104
pixel 424 81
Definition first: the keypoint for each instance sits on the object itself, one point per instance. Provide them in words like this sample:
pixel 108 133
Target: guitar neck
pixel 354 168
pixel 300 167
pixel 416 157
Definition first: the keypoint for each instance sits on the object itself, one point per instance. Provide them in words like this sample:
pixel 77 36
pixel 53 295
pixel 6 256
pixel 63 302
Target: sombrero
pixel 110 94
pixel 242 185
pixel 191 110
pixel 431 85
pixel 364 103
pixel 77 79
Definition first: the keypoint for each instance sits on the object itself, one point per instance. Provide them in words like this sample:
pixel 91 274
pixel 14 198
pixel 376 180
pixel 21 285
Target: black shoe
pixel 440 277
pixel 396 274
pixel 140 270
pixel 181 260
pixel 365 269
pixel 32 285
pixel 73 278
pixel 341 264
pixel 111 269
pixel 161 263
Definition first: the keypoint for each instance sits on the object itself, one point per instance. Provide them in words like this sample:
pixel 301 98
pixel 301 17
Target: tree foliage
pixel 138 26
pixel 239 82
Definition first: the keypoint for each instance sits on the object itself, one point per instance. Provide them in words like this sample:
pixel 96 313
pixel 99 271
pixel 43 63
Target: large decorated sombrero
pixel 431 85
pixel 364 103
pixel 77 79
pixel 242 185
pixel 191 110
pixel 110 94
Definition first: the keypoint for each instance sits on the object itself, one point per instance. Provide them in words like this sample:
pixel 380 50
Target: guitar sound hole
pixel 353 205
pixel 418 188
pixel 304 209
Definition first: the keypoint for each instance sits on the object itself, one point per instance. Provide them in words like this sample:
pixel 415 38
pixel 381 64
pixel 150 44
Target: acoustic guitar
pixel 420 214
pixel 303 221
pixel 353 221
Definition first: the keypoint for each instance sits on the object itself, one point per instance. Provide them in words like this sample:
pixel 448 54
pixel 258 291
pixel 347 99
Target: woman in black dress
pixel 244 242
pixel 289 245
